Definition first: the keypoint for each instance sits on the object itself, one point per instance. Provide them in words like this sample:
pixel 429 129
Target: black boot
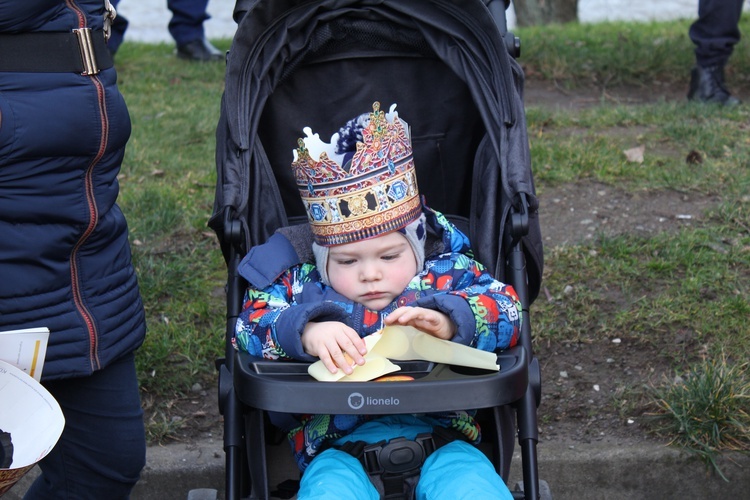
pixel 199 50
pixel 707 85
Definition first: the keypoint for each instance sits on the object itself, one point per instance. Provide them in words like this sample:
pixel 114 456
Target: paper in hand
pixel 406 343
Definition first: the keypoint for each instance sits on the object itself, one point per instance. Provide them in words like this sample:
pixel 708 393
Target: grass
pixel 707 409
pixel 167 189
pixel 590 144
pixel 694 283
pixel 649 288
pixel 615 53
pixel 695 280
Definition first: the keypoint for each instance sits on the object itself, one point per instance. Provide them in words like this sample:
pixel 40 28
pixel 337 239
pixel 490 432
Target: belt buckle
pixel 86 46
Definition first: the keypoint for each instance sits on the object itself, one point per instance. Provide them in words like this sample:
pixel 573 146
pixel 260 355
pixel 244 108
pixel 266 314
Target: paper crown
pixel 355 196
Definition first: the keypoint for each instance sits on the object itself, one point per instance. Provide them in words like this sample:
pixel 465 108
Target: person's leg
pixel 336 475
pixel 714 33
pixel 103 447
pixel 186 27
pixel 187 20
pixel 458 471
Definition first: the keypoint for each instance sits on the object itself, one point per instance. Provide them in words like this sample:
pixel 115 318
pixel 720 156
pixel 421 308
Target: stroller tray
pixel 274 384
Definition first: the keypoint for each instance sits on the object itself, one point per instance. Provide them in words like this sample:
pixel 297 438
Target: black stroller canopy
pixel 275 39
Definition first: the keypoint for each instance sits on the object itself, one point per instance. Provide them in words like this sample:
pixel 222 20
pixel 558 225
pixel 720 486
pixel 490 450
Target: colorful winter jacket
pixel 64 252
pixel 285 293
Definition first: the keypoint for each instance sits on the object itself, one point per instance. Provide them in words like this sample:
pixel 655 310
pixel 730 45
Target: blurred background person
pixel 714 33
pixel 185 26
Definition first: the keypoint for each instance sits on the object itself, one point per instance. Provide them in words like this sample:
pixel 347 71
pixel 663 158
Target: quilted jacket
pixel 65 259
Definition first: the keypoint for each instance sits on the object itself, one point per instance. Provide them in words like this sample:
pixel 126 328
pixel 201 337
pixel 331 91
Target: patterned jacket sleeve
pixel 486 311
pixel 270 327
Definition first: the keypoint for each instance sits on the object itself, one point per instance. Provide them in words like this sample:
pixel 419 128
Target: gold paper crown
pixel 375 195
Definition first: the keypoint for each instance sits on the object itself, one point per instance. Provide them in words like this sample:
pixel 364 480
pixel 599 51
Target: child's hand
pixel 337 345
pixel 429 321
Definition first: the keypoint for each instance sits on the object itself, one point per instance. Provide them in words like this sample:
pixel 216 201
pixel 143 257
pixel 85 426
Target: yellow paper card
pixel 406 343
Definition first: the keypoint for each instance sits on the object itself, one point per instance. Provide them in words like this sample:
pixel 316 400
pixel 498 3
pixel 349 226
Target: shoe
pixel 199 50
pixel 707 85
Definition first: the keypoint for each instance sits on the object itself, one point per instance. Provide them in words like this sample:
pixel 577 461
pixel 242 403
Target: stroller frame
pixel 250 387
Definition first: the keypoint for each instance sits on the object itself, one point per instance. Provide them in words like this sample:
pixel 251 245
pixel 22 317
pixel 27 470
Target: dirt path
pixel 571 214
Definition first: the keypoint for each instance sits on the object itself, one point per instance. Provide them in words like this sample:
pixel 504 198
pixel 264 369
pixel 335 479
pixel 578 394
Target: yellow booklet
pixel 25 349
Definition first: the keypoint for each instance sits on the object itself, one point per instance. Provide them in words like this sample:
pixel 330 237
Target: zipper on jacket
pixel 75 277
pixel 358 318
pixel 75 8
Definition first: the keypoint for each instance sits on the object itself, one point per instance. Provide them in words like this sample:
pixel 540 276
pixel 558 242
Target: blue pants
pixel 716 31
pixel 455 471
pixel 103 447
pixel 185 26
pixel 187 20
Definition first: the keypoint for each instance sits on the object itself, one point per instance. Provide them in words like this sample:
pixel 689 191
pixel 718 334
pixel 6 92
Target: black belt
pixel 82 51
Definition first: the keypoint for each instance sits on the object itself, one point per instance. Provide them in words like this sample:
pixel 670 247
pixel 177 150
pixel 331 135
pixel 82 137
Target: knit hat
pixel 415 233
pixel 360 185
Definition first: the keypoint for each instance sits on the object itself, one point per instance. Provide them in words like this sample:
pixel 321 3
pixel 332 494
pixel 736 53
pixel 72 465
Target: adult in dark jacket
pixel 64 255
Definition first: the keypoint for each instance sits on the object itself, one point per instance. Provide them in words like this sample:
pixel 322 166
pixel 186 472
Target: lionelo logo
pixel 357 401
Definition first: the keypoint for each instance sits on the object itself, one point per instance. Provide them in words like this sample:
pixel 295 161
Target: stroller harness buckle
pixel 394 466
pixel 398 456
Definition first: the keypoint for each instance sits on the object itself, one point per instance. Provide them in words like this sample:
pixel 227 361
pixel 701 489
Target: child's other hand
pixel 429 321
pixel 337 345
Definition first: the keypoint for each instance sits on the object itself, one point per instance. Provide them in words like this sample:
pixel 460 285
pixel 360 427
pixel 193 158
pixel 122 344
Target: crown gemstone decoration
pixel 373 194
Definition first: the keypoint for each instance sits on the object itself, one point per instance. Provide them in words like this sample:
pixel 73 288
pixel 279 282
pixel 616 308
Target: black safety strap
pixel 82 51
pixel 394 467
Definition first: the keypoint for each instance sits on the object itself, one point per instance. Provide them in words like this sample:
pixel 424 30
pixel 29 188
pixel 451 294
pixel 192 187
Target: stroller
pixel 449 64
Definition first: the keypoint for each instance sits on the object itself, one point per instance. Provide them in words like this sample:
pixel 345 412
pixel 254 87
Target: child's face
pixel 372 272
